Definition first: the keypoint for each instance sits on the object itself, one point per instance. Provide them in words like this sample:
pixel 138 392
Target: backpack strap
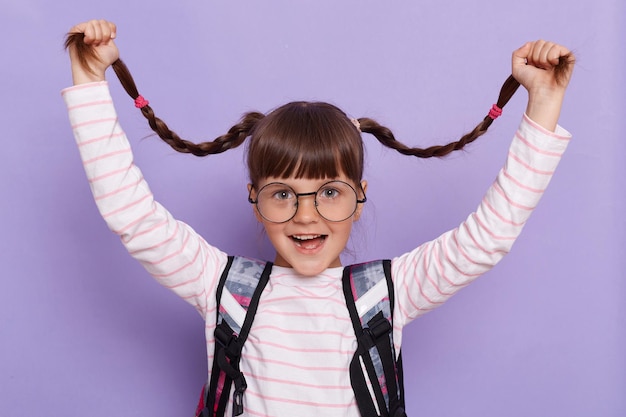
pixel 374 371
pixel 238 294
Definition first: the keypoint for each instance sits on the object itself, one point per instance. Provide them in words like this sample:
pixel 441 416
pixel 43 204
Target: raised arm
pixel 91 58
pixel 535 66
pixel 427 276
pixel 171 251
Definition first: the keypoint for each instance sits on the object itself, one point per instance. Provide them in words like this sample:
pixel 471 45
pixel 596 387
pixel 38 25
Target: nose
pixel 306 211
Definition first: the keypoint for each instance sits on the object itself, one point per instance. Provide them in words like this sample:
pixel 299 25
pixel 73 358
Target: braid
pixel 235 136
pixel 510 86
pixel 239 132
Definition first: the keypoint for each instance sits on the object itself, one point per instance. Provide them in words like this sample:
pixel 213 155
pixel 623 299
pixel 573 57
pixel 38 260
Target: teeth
pixel 306 237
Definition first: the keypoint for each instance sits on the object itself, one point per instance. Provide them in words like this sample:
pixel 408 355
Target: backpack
pixel 375 374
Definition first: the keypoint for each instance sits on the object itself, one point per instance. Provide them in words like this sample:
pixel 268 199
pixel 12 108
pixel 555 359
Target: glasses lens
pixel 336 201
pixel 277 202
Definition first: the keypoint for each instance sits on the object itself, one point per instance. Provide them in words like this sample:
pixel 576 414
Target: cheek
pixel 272 230
pixel 345 229
pixel 257 215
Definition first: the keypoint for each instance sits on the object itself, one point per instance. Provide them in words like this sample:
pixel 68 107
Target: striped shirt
pixel 297 355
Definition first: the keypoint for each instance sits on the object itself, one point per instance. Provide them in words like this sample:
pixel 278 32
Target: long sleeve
pixel 427 276
pixel 174 254
pixel 297 356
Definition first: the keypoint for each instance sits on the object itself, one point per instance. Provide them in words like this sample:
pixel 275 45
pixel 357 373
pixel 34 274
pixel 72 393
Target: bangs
pixel 305 140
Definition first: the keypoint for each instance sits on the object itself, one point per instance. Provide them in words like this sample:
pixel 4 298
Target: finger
pixel 543 60
pixel 108 30
pixel 520 55
pixel 105 30
pixel 545 55
pixel 97 32
pixel 79 28
pixel 555 52
pixel 88 30
pixel 537 51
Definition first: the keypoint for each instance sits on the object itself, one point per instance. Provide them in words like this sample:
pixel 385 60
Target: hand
pixel 543 66
pixel 544 69
pixel 92 50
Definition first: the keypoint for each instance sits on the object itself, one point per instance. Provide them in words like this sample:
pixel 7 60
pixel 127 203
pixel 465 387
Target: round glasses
pixel 335 201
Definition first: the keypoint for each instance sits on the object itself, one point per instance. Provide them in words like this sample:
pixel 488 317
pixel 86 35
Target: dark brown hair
pixel 305 140
pixel 301 139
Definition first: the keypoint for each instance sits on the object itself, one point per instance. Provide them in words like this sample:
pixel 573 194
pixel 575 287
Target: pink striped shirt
pixel 299 348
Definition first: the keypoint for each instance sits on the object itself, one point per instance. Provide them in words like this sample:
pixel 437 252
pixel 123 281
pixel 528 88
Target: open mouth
pixel 308 241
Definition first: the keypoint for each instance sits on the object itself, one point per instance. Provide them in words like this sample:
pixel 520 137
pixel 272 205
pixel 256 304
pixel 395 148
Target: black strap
pixel 400 372
pixel 228 346
pixel 359 386
pixel 211 393
pixel 376 335
pixel 357 378
pixel 400 405
pixel 397 404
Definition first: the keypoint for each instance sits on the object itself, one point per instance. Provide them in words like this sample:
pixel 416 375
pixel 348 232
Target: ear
pixel 256 212
pixel 359 209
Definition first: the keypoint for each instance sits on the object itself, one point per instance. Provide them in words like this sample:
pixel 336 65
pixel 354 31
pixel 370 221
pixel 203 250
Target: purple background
pixel 84 330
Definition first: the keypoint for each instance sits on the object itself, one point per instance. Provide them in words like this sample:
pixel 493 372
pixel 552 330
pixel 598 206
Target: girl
pixel 306 187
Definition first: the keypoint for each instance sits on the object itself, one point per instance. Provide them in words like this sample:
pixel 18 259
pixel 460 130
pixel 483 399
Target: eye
pixel 329 192
pixel 278 192
pixel 284 194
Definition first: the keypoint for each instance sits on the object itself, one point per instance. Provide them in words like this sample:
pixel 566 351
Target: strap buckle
pixel 228 340
pixel 240 388
pixel 377 327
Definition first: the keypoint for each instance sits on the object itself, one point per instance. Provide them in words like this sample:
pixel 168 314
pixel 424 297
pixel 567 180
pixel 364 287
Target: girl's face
pixel 308 242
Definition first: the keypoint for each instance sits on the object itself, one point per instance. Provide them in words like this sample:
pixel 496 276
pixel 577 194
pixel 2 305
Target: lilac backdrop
pixel 84 330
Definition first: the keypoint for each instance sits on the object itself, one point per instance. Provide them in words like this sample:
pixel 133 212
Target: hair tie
pixel 141 102
pixel 356 124
pixel 494 112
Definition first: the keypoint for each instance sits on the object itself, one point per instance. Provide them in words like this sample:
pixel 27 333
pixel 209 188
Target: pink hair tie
pixel 495 112
pixel 141 102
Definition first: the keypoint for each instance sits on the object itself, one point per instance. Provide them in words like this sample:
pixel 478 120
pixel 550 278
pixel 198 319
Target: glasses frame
pixel 313 193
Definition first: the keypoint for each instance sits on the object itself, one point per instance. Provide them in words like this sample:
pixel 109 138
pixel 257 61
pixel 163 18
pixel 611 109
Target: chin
pixel 309 272
pixel 312 269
